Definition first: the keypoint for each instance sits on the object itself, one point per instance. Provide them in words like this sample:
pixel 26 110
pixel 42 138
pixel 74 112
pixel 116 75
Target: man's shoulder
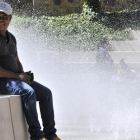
pixel 12 36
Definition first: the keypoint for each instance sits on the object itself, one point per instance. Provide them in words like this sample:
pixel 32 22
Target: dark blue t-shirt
pixel 8 51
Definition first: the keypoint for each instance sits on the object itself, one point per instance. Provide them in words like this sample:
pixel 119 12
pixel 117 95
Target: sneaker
pixel 56 138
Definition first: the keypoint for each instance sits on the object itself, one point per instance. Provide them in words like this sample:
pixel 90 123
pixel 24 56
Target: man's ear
pixel 10 17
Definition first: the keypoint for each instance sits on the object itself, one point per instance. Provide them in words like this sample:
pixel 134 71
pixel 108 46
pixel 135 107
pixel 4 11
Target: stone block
pixel 13 125
pixel 135 34
pixel 18 119
pixel 6 126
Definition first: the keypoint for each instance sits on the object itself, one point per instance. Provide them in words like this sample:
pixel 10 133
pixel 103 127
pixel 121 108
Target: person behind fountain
pixel 104 61
pixel 14 81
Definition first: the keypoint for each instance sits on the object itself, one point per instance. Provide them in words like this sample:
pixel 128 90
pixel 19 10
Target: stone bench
pixel 13 125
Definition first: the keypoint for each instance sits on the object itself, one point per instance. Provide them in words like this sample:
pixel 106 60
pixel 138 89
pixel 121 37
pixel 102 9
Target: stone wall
pixel 46 7
pixel 59 7
pixel 63 7
pixel 117 5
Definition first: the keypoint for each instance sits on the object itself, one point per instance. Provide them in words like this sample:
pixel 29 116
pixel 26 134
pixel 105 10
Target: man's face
pixel 4 21
pixel 107 45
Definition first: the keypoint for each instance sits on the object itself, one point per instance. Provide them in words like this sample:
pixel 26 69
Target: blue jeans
pixel 29 95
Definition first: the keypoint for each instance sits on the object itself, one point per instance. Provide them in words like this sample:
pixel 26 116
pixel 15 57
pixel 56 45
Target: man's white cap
pixel 5 8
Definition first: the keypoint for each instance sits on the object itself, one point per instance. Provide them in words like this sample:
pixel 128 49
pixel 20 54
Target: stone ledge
pixel 12 121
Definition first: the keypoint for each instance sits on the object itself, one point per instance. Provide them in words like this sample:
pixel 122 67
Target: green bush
pixel 82 30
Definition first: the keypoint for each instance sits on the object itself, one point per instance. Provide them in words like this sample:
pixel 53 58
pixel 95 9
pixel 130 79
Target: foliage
pixel 94 5
pixel 77 29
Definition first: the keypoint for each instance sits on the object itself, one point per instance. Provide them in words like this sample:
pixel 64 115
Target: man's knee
pixel 48 94
pixel 27 93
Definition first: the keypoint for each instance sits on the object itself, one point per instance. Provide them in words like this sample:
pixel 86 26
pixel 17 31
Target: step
pixel 74 132
pixel 95 136
pixel 135 34
pixel 86 56
pixel 91 65
pixel 126 45
pixel 91 56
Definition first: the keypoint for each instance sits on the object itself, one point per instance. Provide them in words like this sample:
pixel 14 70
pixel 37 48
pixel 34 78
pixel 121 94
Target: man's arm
pixel 23 75
pixel 20 76
pixel 19 65
pixel 8 74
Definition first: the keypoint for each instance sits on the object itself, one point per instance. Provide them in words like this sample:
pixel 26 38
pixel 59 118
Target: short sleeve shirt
pixel 8 51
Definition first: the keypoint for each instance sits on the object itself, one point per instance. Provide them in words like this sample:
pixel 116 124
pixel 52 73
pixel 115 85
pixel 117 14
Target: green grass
pixel 85 28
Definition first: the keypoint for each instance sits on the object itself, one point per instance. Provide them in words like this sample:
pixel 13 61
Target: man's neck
pixel 4 33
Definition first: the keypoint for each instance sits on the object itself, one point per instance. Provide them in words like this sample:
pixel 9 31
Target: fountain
pixel 86 108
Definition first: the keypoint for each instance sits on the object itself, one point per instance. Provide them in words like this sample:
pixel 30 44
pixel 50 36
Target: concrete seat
pixel 13 125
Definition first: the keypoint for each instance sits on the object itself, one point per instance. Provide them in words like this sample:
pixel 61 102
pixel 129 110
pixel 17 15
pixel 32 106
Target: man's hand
pixel 28 72
pixel 25 78
pixel 31 78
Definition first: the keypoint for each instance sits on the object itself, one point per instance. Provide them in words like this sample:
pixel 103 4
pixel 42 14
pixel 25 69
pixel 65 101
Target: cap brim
pixel 5 12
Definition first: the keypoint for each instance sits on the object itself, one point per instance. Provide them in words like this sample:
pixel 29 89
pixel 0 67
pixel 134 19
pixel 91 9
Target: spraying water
pixel 88 106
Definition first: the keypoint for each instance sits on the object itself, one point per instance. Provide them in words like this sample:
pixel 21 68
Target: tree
pixel 94 5
pixel 57 2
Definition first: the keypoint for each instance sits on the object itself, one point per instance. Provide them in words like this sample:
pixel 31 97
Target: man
pixel 13 80
pixel 103 59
